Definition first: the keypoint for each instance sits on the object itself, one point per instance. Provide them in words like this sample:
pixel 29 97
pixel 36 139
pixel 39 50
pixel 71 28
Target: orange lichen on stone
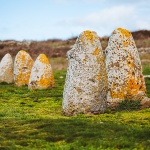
pixel 98 76
pixel 124 32
pixel 130 63
pixel 84 59
pixel 118 94
pixel 89 36
pixel 22 68
pixel 96 52
pixel 125 43
pixel 44 82
pixel 120 36
pixel 133 86
pixel 44 59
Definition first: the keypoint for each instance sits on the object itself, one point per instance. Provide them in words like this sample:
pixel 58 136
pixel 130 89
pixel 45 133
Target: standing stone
pixel 22 68
pixel 6 69
pixel 124 71
pixel 41 75
pixel 86 81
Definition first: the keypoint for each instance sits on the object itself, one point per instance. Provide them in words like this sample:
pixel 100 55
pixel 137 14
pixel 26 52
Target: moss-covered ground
pixel 32 120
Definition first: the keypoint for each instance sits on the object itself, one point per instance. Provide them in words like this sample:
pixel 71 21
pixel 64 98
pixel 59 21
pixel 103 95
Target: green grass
pixel 32 120
pixel 146 69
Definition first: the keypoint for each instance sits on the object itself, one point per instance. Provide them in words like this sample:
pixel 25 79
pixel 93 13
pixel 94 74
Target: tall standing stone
pixel 86 81
pixel 22 68
pixel 124 70
pixel 6 69
pixel 41 75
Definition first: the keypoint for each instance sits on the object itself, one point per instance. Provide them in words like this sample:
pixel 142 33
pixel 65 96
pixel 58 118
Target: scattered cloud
pixel 106 20
pixel 66 18
pixel 109 16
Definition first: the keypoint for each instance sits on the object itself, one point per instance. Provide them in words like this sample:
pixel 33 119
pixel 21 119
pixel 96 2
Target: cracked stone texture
pixel 6 69
pixel 86 81
pixel 22 68
pixel 41 75
pixel 124 70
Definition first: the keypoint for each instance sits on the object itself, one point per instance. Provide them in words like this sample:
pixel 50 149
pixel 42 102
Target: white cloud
pixel 103 21
pixel 106 20
pixel 108 16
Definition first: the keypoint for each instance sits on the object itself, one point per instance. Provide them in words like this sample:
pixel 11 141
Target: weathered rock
pixel 22 68
pixel 86 81
pixel 6 69
pixel 124 71
pixel 41 75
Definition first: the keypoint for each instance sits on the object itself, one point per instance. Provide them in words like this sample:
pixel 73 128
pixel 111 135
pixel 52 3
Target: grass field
pixel 32 120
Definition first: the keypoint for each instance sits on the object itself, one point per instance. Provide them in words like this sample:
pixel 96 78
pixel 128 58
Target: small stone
pixel 22 68
pixel 124 70
pixel 41 75
pixel 86 80
pixel 6 69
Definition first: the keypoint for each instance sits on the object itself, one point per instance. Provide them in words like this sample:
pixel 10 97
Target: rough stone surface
pixel 22 68
pixel 124 71
pixel 86 81
pixel 41 75
pixel 6 69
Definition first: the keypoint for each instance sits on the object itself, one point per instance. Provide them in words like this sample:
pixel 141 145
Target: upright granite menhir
pixel 125 78
pixel 41 75
pixel 6 69
pixel 22 68
pixel 86 80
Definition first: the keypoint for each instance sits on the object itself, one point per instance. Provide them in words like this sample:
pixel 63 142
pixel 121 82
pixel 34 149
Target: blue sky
pixel 47 19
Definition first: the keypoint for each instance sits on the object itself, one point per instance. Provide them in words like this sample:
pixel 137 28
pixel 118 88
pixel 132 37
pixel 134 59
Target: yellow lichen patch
pixel 125 43
pixel 96 52
pixel 118 94
pixel 89 36
pixel 22 51
pixel 78 90
pixel 84 59
pixel 100 59
pixel 120 36
pixel 124 32
pixel 44 82
pixel 134 86
pixel 43 59
pixel 22 79
pixel 47 79
pixel 98 76
pixel 142 85
pixel 130 63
